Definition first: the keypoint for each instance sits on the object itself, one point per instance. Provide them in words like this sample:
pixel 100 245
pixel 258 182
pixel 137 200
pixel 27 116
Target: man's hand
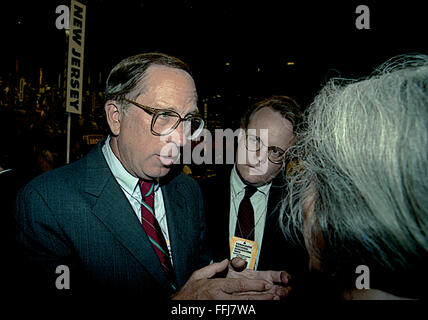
pixel 201 286
pixel 279 279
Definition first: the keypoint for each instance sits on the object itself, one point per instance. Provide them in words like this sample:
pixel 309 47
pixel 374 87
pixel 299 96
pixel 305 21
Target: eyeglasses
pixel 165 121
pixel 275 154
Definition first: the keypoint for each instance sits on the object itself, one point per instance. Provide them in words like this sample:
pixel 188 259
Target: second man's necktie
pixel 245 223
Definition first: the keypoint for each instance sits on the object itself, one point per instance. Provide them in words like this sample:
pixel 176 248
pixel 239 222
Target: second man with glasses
pixel 242 218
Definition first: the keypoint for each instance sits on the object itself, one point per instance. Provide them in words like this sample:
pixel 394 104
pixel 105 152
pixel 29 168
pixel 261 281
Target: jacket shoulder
pixel 62 176
pixel 68 176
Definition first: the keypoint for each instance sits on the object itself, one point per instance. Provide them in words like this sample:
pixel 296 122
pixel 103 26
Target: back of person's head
pixel 126 79
pixel 363 152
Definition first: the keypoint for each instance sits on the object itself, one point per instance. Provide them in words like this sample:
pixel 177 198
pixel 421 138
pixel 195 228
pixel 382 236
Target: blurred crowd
pixel 34 126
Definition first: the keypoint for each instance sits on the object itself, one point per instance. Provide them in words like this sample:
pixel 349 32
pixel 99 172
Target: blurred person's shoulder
pixel 67 177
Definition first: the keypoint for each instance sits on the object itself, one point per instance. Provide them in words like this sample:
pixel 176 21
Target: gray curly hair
pixel 364 151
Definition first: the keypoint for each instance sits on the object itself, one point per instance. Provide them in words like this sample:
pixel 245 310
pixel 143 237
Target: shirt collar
pixel 123 177
pixel 5 170
pixel 238 185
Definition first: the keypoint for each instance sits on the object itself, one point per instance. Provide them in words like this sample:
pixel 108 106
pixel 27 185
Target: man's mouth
pixel 169 155
pixel 167 161
pixel 257 170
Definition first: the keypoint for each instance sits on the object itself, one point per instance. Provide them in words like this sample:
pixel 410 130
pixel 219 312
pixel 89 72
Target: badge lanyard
pixel 236 214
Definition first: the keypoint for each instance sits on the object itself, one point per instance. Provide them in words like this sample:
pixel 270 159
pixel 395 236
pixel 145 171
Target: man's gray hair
pixel 363 150
pixel 126 79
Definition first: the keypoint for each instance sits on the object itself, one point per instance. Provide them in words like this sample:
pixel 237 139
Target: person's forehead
pixel 166 87
pixel 279 129
pixel 267 118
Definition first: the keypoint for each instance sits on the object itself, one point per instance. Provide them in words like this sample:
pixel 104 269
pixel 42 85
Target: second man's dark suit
pixel 276 252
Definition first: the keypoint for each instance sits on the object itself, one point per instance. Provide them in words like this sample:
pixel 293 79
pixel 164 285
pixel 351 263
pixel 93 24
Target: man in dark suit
pixel 243 201
pixel 114 222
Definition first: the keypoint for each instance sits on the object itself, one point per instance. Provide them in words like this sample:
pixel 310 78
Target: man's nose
pixel 257 157
pixel 263 154
pixel 177 136
pixel 254 157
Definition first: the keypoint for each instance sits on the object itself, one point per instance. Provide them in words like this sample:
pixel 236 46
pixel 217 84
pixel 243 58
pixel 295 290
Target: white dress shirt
pixel 259 202
pixel 5 170
pixel 129 185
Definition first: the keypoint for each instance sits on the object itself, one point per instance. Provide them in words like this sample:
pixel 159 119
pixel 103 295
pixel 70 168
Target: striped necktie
pixel 153 230
pixel 245 222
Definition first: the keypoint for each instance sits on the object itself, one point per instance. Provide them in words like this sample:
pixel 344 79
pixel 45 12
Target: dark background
pixel 320 37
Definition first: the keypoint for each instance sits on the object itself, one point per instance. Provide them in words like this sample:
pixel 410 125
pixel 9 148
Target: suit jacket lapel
pixel 220 216
pixel 226 216
pixel 272 228
pixel 274 200
pixel 114 210
pixel 178 229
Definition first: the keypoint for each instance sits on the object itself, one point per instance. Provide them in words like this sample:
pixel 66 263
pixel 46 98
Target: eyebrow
pixel 196 111
pixel 168 108
pixel 274 146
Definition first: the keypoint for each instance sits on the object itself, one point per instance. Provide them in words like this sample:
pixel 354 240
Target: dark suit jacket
pixel 78 216
pixel 276 252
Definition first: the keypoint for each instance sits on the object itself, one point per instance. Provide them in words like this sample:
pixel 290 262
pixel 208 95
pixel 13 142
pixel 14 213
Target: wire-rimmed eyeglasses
pixel 253 143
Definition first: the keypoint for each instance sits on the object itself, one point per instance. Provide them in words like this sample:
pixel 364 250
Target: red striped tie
pixel 153 230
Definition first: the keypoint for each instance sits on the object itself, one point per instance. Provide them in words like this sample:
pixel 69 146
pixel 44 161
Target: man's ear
pixel 113 116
